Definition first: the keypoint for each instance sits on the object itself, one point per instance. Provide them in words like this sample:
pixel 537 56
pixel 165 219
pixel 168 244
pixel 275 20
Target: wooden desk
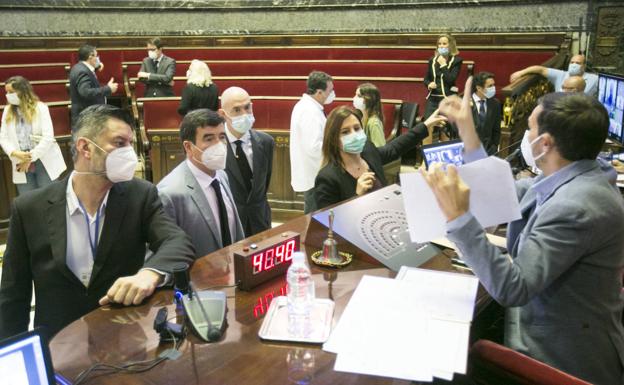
pixel 121 334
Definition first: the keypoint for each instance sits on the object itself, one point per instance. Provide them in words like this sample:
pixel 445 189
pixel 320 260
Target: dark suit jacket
pixel 443 77
pixel 159 82
pixel 489 130
pixel 334 184
pixel 253 207
pixel 84 90
pixel 37 247
pixel 194 97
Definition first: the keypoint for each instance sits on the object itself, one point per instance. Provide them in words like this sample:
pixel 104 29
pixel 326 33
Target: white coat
pixel 46 149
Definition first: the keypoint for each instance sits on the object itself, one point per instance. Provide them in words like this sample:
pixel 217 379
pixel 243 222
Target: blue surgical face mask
pixel 443 51
pixel 354 142
pixel 574 69
pixel 490 92
pixel 243 123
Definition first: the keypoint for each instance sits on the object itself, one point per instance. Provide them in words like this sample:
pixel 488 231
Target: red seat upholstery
pixel 44 72
pixel 51 91
pixel 160 113
pixel 270 114
pixel 61 121
pixel 495 364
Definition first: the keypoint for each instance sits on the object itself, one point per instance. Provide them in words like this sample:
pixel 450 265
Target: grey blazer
pixel 253 208
pixel 185 202
pixel 563 284
pixel 159 82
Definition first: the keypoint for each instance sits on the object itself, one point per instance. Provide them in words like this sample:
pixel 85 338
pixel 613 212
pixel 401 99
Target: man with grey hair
pixel 249 160
pixel 82 240
pixel 307 125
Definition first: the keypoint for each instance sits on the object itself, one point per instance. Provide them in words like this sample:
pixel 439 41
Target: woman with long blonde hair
pixel 200 91
pixel 442 71
pixel 27 137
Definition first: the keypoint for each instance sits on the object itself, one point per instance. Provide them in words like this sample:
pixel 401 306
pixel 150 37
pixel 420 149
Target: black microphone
pixel 505 148
pixel 193 304
pixel 514 154
pixel 181 278
pixel 213 333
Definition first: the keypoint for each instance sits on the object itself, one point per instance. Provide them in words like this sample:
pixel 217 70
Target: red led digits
pixel 290 249
pixel 268 259
pixel 257 262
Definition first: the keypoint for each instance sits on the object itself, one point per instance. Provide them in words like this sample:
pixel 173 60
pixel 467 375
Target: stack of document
pixel 414 327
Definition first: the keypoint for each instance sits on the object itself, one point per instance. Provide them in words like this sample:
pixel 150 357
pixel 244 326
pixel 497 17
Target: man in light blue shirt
pixel 557 77
pixel 562 278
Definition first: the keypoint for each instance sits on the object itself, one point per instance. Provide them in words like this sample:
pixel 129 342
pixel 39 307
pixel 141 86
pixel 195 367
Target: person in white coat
pixel 27 137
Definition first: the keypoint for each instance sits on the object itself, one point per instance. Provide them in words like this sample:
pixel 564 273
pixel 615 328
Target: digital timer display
pixel 257 263
pixel 273 257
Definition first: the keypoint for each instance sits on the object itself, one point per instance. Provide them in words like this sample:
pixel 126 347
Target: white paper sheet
pixel 493 198
pixel 382 332
pixel 414 327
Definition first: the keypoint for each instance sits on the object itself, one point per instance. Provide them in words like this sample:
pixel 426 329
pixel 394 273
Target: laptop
pixel 450 152
pixel 25 360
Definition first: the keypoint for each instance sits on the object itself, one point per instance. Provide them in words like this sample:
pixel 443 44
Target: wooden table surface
pixel 120 334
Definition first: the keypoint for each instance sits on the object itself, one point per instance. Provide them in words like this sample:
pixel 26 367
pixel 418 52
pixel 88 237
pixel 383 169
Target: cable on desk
pixel 130 367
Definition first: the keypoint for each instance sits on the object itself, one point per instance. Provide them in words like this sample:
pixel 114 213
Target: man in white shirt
pixel 82 240
pixel 196 194
pixel 249 161
pixel 556 77
pixel 307 125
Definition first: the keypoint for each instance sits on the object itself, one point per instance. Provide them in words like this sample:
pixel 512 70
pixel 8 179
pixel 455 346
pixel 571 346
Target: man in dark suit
pixel 82 240
pixel 486 111
pixel 84 87
pixel 157 71
pixel 249 161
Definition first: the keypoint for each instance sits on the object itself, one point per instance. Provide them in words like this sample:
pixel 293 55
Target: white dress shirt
pixel 246 145
pixel 204 181
pixel 477 102
pixel 79 257
pixel 307 124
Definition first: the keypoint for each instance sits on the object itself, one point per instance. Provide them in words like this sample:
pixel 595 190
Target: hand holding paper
pixel 488 182
pixel 451 193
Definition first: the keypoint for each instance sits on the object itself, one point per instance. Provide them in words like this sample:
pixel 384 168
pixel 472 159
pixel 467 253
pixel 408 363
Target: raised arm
pixel 536 70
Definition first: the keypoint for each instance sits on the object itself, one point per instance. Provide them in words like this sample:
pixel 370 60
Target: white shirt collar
pixel 477 99
pixel 202 178
pixel 89 66
pixel 246 138
pixel 73 204
pixel 314 101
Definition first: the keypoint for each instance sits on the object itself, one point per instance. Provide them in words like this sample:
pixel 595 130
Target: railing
pixel 521 98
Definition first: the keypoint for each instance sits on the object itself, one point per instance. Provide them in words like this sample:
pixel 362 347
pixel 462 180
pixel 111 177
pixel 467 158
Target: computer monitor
pixel 611 95
pixel 444 152
pixel 25 360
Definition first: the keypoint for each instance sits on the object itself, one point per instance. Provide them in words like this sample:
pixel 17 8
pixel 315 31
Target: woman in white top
pixel 27 137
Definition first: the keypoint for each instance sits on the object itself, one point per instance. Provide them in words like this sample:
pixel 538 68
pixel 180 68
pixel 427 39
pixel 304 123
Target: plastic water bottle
pixel 300 296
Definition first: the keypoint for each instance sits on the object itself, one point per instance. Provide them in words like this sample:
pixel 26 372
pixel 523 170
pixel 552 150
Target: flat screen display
pixel 25 360
pixel 611 95
pixel 444 152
